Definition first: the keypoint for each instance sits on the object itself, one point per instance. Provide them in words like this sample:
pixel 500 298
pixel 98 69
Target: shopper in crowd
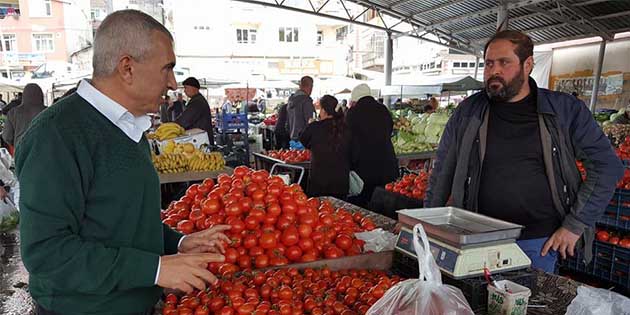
pixel 19 119
pixel 329 142
pixel 300 110
pixel 282 128
pixel 372 151
pixel 262 105
pixel 13 104
pixel 227 105
pixel 434 104
pixel 516 162
pixel 178 106
pixel 164 114
pixel 197 113
pixel 90 229
pixel 2 102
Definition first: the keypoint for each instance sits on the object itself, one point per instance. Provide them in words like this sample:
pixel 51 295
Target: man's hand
pixel 210 240
pixel 187 272
pixel 3 193
pixel 563 241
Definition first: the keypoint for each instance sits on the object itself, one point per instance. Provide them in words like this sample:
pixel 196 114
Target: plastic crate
pixel 227 122
pixel 610 263
pixel 617 213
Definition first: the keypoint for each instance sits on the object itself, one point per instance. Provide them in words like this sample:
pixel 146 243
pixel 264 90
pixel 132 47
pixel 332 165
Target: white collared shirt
pixel 131 125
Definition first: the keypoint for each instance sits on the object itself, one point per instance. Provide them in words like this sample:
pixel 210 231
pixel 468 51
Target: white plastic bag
pixel 377 240
pixel 592 301
pixel 424 296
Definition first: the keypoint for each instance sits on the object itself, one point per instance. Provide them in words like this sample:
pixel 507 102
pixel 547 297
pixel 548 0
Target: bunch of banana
pixel 206 162
pixel 168 130
pixel 170 163
pixel 188 161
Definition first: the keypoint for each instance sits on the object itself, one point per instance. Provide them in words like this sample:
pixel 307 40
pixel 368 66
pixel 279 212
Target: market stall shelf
pixel 192 176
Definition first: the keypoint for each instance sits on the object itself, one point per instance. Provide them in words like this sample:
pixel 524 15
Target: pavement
pixel 14 296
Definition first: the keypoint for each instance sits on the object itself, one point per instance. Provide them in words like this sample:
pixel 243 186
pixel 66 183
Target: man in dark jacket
pixel 197 114
pixel 372 157
pixel 509 152
pixel 282 128
pixel 177 107
pixel 20 118
pixel 300 110
pixel 13 104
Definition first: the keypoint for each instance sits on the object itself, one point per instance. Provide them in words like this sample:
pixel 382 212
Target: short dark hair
pixel 524 44
pixel 306 81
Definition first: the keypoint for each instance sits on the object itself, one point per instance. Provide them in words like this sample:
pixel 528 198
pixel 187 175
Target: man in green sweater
pixel 91 236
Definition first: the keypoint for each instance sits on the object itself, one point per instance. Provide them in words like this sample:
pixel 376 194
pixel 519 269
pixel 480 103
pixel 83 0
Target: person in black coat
pixel 329 141
pixel 372 152
pixel 282 128
pixel 197 113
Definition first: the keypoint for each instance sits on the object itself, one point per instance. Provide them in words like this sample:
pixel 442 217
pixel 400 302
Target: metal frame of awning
pixel 466 25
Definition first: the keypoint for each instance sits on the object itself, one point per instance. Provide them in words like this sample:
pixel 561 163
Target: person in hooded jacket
pixel 282 128
pixel 372 152
pixel 20 118
pixel 300 110
pixel 329 141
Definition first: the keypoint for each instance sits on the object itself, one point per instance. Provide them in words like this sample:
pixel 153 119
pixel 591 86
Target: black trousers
pixel 39 310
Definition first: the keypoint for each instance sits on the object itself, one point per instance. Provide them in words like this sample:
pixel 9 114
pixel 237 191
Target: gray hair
pixel 125 32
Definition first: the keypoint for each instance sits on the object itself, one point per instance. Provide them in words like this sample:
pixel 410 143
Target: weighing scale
pixel 464 242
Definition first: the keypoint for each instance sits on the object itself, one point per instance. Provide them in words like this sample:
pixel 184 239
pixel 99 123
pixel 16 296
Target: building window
pixel 246 36
pixel 40 8
pixel 456 65
pixel 43 43
pixel 342 32
pixel 288 34
pixel 471 65
pixel 481 65
pixel 320 38
pixel 9 43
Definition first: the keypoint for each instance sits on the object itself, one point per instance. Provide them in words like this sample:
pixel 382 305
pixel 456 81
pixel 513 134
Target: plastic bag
pixel 424 296
pixel 9 216
pixel 377 240
pixel 592 301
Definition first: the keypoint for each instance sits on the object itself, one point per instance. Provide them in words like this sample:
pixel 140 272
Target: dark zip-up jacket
pixel 568 133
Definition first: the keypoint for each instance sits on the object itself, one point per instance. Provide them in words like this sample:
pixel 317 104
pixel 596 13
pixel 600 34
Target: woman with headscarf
pixel 329 141
pixel 20 118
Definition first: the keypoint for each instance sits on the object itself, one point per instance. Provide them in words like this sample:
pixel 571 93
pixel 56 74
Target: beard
pixel 506 90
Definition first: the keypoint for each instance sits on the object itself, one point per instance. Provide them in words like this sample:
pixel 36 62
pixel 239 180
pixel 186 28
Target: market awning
pixel 435 85
pixel 269 84
pixel 466 25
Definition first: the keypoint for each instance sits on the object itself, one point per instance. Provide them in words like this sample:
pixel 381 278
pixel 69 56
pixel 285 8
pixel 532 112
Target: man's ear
pixel 125 69
pixel 529 65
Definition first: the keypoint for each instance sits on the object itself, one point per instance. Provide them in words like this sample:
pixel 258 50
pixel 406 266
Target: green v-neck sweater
pixel 90 229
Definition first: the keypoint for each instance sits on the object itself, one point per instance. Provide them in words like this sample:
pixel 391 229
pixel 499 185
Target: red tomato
pixel 290 236
pixel 186 226
pixel 603 236
pixel 305 244
pixel 304 230
pixel 261 261
pixel 343 241
pixel 613 240
pixel 267 241
pixel 294 253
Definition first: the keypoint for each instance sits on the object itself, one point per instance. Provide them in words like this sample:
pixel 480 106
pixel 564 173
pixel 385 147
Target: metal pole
pixel 476 67
pixel 389 57
pixel 598 74
pixel 502 16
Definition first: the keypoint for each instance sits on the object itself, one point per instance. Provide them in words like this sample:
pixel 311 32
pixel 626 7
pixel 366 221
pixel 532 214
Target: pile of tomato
pixel 613 238
pixel 412 186
pixel 285 292
pixel 290 156
pixel 272 224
